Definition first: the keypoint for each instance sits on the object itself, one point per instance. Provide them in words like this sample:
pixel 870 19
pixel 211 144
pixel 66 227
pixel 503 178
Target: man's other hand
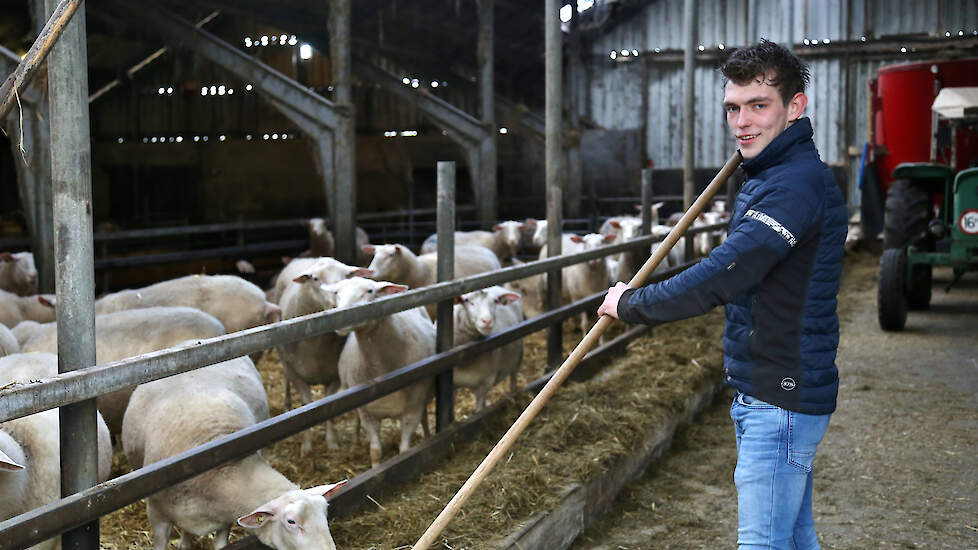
pixel 610 304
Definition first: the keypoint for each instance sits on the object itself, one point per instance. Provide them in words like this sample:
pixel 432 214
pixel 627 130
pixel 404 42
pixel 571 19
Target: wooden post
pixel 444 340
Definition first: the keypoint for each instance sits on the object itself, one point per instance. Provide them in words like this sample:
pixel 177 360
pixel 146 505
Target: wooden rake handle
pixel 558 378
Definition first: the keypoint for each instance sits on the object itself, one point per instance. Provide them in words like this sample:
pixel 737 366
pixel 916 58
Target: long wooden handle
pixel 590 339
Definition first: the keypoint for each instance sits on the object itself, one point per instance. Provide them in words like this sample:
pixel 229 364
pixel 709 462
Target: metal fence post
pixel 554 173
pixel 71 182
pixel 646 208
pixel 444 387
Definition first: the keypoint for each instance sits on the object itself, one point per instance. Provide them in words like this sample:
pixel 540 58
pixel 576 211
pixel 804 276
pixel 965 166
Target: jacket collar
pixel 795 135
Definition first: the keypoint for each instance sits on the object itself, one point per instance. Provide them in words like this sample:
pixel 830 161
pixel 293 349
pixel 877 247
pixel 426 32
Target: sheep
pixel 14 308
pixel 8 342
pixel 129 333
pixel 313 360
pixel 397 264
pixel 623 266
pixel 379 346
pixel 532 290
pixel 30 456
pixel 17 273
pixel 479 314
pixel 175 414
pixel 321 241
pixel 234 301
pixel 25 330
pixel 584 279
pixel 326 269
pixel 504 239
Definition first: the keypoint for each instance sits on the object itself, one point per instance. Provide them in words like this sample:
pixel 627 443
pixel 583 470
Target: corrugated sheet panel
pixel 838 93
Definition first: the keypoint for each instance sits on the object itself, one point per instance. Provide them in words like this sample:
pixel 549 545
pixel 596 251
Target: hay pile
pixel 584 428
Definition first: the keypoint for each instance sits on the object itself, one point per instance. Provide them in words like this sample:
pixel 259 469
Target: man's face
pixel 756 113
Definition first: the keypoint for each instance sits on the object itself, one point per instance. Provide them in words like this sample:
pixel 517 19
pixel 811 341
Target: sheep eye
pixel 291 522
pixel 370 291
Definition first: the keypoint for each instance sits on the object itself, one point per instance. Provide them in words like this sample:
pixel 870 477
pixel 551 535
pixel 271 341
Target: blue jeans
pixel 775 451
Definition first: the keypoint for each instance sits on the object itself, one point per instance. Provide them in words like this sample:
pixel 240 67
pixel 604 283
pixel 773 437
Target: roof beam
pixel 264 78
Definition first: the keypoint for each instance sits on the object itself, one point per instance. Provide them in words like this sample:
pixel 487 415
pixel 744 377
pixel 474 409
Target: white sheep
pixel 313 360
pixel 14 308
pixel 504 240
pixel 129 333
pixel 17 273
pixel 479 314
pixel 321 242
pixel 397 264
pixel 30 457
pixel 532 290
pixel 8 342
pixel 326 269
pixel 175 414
pixel 586 278
pixel 237 303
pixel 377 347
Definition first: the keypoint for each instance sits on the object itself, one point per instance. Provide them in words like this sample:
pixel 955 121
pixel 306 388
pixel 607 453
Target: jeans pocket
pixel 804 434
pixel 753 402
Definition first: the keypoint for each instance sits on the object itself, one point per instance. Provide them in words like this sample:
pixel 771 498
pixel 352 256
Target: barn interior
pixel 169 138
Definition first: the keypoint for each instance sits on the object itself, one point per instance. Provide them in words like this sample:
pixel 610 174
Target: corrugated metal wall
pixel 838 93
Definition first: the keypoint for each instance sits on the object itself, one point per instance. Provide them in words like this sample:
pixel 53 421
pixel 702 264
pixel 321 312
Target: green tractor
pixel 915 237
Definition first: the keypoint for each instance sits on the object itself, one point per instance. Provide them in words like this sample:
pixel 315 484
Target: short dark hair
pixel 745 65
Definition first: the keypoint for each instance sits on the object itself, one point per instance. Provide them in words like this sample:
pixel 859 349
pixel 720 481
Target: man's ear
pixel 796 106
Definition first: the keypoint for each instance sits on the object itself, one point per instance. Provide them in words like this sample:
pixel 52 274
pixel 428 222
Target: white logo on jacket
pixel 773 224
pixel 788 384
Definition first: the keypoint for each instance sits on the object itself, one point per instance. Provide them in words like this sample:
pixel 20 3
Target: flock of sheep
pixel 159 419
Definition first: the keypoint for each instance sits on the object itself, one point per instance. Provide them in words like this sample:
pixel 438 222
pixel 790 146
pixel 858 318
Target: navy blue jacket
pixel 778 274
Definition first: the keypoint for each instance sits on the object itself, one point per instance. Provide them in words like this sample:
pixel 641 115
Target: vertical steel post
pixel 71 174
pixel 489 194
pixel 555 192
pixel 444 340
pixel 344 150
pixel 572 172
pixel 40 206
pixel 689 111
pixel 646 201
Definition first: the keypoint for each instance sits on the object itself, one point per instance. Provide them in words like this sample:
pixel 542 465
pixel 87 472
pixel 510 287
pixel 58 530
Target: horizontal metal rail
pixel 21 400
pixel 70 512
pixel 172 257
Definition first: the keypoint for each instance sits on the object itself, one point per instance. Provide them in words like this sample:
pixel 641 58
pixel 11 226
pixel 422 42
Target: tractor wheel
pixel 908 210
pixel 918 287
pixel 891 302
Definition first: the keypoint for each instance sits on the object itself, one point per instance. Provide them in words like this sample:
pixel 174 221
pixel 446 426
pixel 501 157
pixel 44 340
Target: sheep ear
pixel 7 463
pixel 361 272
pixel 508 298
pixel 391 289
pixel 326 491
pixel 256 519
pixel 368 248
pixel 609 238
pixel 302 278
pixel 458 299
pixel 285 260
pixel 6 257
pixel 530 222
pixel 615 223
pixel 497 227
pixel 45 301
pixel 576 239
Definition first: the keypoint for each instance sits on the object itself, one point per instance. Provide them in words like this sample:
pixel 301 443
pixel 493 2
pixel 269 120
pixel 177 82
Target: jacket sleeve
pixel 767 232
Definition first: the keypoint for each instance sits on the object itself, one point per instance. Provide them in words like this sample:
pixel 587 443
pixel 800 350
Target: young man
pixel 778 274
